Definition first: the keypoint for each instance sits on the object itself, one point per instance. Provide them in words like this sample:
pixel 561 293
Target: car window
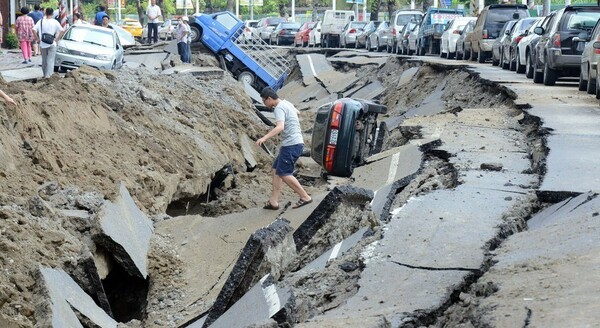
pixel 92 36
pixel 275 21
pixel 526 24
pixel 253 24
pixel 359 25
pixel 406 18
pixel 582 20
pixel 226 20
pixel 497 17
pixel 290 26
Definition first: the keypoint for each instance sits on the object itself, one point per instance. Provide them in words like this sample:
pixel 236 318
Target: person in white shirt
pixel 181 35
pixel 48 25
pixel 153 12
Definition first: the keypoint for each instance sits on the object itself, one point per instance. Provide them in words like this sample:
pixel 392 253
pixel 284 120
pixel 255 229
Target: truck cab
pixel 433 26
pixel 333 26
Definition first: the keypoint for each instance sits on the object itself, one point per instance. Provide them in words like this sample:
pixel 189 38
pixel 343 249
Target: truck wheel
pixel 195 33
pixel 246 77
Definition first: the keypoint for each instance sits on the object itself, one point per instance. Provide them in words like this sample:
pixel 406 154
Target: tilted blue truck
pixel 251 61
pixel 432 27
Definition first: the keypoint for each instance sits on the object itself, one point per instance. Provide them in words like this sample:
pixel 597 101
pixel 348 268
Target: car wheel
pixel 481 58
pixel 451 55
pixel 549 74
pixel 597 86
pixel 512 64
pixel 528 66
pixel 503 62
pixel 582 83
pixel 196 33
pixel 538 77
pixel 472 55
pixel 368 45
pixel 277 41
pixel 304 44
pixel 494 61
pixel 246 77
pixel 520 66
pixel 591 83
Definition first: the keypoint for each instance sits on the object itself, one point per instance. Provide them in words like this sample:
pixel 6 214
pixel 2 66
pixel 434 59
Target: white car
pixel 90 45
pixel 523 46
pixel 314 37
pixel 451 35
pixel 412 40
pixel 250 25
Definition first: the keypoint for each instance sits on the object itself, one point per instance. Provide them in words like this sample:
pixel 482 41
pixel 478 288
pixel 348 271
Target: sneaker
pixel 24 62
pixel 29 61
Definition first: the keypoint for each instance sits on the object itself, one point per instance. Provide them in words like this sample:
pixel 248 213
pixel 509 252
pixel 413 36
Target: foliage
pixel 12 42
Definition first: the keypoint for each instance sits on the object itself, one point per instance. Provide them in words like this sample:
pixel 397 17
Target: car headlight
pixel 103 57
pixel 62 50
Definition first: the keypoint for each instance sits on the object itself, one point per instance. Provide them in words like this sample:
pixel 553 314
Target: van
pixel 488 26
pixel 397 22
pixel 333 26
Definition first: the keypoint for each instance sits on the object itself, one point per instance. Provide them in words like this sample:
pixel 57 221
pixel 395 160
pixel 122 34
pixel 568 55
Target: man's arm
pixel 276 130
pixel 6 98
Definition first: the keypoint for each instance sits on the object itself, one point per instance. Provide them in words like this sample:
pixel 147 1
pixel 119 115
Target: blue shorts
pixel 286 160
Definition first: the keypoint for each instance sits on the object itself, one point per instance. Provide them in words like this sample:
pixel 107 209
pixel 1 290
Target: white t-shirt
pixel 182 28
pixel 50 26
pixel 286 112
pixel 153 11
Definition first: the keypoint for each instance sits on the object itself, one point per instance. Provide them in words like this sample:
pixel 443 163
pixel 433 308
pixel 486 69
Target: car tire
pixel 481 58
pixel 528 66
pixel 591 83
pixel 597 87
pixel 246 76
pixel 503 62
pixel 520 67
pixel 451 55
pixel 549 75
pixel 368 45
pixel 495 62
pixel 196 33
pixel 538 77
pixel 582 86
pixel 512 64
pixel 473 55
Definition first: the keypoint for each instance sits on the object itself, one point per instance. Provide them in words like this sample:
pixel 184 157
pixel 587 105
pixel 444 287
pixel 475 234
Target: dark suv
pixel 557 55
pixel 345 133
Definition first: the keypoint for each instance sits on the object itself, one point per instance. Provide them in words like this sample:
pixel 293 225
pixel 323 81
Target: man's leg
pixel 44 60
pixel 277 184
pixel 181 51
pixel 50 56
pixel 155 28
pixel 293 183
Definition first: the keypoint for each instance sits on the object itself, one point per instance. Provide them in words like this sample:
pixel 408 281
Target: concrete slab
pixel 197 71
pixel 248 152
pixel 339 249
pixel 64 296
pixel 359 61
pixel 389 166
pixel 407 76
pixel 431 105
pixel 310 65
pixel 335 81
pixel 269 250
pixel 558 212
pixel 22 74
pixel 370 91
pixel 315 68
pixel 125 231
pixel 150 60
pixel 261 302
pixel 511 161
pixel 296 93
pixel 254 95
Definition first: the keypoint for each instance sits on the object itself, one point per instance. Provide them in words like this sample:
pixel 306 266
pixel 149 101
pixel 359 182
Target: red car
pixel 301 38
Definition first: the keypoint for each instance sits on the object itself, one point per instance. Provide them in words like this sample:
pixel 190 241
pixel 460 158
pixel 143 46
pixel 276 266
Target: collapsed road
pixel 143 208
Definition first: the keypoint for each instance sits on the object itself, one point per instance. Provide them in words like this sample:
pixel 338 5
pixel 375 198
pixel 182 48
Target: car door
pixel 540 47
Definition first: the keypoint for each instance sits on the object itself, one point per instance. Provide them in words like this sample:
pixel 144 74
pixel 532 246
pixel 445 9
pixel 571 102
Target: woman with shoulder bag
pixel 46 30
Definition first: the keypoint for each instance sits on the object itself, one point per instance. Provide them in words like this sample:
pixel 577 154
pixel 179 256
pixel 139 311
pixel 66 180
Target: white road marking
pixel 335 251
pixel 393 168
pixel 271 297
pixel 312 68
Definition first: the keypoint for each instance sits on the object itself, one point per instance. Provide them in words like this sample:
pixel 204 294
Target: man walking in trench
pixel 292 144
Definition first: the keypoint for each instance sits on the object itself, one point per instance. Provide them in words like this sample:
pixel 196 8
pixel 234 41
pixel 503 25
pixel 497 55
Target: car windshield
pixel 252 24
pixel 290 26
pixel 406 18
pixel 93 36
pixel 227 20
pixel 496 18
pixel 358 25
pixel 275 21
pixel 583 20
pixel 526 24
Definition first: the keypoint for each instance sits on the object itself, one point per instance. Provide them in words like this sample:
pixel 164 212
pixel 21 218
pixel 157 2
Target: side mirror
pixel 538 30
pixel 596 45
pixel 516 15
pixel 507 32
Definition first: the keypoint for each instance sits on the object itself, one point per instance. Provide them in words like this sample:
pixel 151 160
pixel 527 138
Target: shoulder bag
pixel 47 38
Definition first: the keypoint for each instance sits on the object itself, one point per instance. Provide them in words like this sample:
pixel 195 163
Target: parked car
pixel 589 59
pixel 265 26
pixel 463 43
pixel 497 48
pixel 165 31
pixel 348 37
pixel 557 54
pixel 402 43
pixel 397 22
pixel 333 25
pixel 509 44
pixel 380 36
pixel 301 38
pixel 250 25
pixel 284 33
pixel 413 40
pixel 488 26
pixel 523 48
pixel 433 26
pixel 132 26
pixel 314 36
pixel 451 35
pixel 125 38
pixel 90 45
pixel 362 38
pixel 345 133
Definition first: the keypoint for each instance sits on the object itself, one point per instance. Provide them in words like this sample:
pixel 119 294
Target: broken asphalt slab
pixel 315 68
pixel 65 297
pixel 359 61
pixel 125 232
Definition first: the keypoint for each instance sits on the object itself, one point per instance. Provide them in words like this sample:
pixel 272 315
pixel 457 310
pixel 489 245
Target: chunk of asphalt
pixel 359 61
pixel 268 250
pixel 431 105
pixel 64 295
pixel 248 152
pixel 337 250
pixel 323 211
pixel 491 166
pixel 263 301
pixel 252 93
pixel 125 232
pixel 559 211
pixel 407 76
pixel 370 91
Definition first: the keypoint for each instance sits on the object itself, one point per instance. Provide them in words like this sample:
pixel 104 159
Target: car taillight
pixel 456 32
pixel 352 31
pixel 484 34
pixel 519 38
pixel 556 40
pixel 248 30
pixel 596 51
pixel 336 115
pixel 394 31
pixel 329 155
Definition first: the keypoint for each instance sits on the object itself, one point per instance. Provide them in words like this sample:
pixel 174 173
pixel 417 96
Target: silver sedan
pixel 90 45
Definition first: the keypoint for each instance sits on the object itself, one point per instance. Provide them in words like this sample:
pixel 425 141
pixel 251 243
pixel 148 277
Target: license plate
pixel 333 137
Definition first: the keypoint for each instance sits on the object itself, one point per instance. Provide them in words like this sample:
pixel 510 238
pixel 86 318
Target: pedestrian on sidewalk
pixel 36 15
pixel 24 25
pixel 181 35
pixel 1 30
pixel 100 15
pixel 7 99
pixel 292 144
pixel 152 13
pixel 77 19
pixel 51 27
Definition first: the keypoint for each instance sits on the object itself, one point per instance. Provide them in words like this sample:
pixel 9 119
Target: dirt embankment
pixel 71 140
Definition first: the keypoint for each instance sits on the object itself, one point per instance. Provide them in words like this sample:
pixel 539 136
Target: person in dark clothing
pixel 36 15
pixel 100 15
